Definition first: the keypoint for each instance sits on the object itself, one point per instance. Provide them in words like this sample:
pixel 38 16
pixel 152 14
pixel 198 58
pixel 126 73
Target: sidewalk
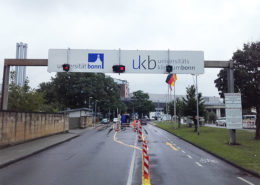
pixel 18 152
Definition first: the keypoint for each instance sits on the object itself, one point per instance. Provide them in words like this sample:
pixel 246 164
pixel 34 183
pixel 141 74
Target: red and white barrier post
pixel 146 161
pixel 140 132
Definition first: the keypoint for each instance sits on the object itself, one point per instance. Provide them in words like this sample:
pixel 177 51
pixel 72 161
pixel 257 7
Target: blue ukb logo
pixel 96 61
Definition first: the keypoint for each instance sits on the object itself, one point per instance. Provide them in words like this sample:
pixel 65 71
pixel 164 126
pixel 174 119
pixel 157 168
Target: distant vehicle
pixel 249 117
pixel 105 121
pixel 249 121
pixel 125 119
pixel 152 115
pixel 221 122
pixel 143 121
pixel 115 120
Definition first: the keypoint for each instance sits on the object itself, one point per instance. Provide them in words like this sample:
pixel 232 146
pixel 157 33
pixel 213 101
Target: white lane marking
pixel 131 170
pixel 198 164
pixel 189 156
pixel 246 181
pixel 208 161
pixel 183 151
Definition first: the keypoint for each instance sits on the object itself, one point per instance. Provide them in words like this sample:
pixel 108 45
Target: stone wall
pixel 18 127
pixel 86 121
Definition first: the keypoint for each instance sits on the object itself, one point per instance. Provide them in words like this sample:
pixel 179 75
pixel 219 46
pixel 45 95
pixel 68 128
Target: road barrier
pixel 145 161
pixel 117 127
pixel 134 125
pixel 140 132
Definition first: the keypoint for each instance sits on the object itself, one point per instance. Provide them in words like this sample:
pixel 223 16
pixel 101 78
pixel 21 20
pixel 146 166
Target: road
pixel 110 158
pixel 215 126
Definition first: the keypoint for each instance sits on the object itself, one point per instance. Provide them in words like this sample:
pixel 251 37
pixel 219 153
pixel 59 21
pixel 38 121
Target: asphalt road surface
pixel 110 158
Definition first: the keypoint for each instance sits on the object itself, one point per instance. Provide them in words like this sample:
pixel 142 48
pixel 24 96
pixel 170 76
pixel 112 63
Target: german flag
pixel 171 79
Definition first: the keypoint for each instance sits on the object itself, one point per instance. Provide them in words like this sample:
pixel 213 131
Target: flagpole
pixel 168 103
pixel 174 106
pixel 167 99
pixel 170 100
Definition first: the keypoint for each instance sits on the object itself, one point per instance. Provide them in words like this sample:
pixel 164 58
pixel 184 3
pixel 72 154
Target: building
pixel 212 103
pixel 124 88
pixel 20 71
pixel 79 118
pixel 215 104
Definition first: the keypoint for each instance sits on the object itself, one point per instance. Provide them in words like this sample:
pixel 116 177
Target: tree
pixel 190 105
pixel 141 103
pixel 211 117
pixel 23 98
pixel 73 90
pixel 179 109
pixel 246 79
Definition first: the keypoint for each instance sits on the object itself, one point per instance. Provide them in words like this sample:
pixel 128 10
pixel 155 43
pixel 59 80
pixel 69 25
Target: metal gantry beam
pixel 217 64
pixel 6 73
pixel 26 62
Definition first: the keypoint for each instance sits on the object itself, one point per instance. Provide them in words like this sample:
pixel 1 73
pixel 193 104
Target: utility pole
pixel 197 100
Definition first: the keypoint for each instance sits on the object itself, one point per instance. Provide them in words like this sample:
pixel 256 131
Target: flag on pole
pixel 171 79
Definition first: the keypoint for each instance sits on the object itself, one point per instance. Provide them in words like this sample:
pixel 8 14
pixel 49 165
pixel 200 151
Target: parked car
pixel 143 121
pixel 115 120
pixel 221 122
pixel 105 121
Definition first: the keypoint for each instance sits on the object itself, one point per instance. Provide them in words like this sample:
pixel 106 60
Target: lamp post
pixel 133 101
pixel 89 102
pixel 96 110
pixel 197 106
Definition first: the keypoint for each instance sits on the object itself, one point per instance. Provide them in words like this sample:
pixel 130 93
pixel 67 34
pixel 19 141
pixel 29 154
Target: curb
pixel 219 157
pixel 36 152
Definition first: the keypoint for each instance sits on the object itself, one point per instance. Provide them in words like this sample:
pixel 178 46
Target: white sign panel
pixel 135 61
pixel 233 110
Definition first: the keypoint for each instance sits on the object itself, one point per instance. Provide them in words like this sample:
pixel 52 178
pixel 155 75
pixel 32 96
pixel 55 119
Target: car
pixel 115 120
pixel 105 121
pixel 221 122
pixel 143 121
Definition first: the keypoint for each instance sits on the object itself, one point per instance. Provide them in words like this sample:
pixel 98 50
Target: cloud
pixel 218 28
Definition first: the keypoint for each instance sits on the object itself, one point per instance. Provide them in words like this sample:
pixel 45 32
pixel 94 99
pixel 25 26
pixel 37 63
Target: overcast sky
pixel 218 27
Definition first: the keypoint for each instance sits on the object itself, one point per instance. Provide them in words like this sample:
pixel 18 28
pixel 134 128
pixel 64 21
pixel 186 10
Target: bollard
pixel 146 161
pixel 117 127
pixel 134 124
pixel 140 132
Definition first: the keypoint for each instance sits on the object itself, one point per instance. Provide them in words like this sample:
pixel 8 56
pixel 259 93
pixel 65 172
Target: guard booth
pixel 79 118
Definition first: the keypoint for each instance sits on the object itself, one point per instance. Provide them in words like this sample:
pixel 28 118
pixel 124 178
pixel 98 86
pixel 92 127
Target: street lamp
pixel 89 102
pixel 133 102
pixel 96 110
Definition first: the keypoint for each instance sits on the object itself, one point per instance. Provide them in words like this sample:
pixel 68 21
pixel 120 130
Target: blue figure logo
pixel 96 61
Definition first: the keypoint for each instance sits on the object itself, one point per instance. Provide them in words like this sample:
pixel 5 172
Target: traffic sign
pixel 135 61
pixel 233 110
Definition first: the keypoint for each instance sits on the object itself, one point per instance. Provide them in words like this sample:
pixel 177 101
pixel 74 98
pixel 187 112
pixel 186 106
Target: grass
pixel 215 140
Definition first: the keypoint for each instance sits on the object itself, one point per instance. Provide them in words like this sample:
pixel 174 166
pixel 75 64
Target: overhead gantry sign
pixel 134 61
pixel 130 61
